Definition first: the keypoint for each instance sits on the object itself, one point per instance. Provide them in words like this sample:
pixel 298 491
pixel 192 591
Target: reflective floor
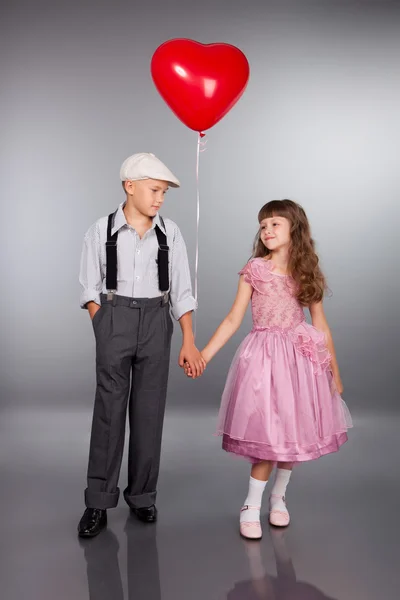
pixel 343 542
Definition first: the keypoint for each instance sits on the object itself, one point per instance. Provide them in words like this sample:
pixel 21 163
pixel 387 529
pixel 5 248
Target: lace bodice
pixel 273 302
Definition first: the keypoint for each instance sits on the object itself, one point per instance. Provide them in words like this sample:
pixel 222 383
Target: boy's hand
pixel 92 309
pixel 191 357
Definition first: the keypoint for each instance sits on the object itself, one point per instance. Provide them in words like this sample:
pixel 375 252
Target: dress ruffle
pixel 256 273
pixel 311 343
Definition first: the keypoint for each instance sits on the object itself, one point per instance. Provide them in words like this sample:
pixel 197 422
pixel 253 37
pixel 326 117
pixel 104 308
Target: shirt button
pixel 138 251
pixel 137 277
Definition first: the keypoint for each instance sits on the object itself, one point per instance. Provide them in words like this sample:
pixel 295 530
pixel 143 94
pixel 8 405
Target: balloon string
pixel 196 269
pixel 200 148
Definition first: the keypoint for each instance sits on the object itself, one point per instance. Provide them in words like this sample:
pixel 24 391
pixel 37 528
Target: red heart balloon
pixel 199 82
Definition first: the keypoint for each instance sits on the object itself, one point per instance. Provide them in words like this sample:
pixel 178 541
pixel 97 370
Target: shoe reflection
pixel 103 570
pixel 263 586
pixel 143 567
pixel 103 573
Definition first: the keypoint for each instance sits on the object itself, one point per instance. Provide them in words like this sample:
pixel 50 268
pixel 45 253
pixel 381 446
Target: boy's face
pixel 147 195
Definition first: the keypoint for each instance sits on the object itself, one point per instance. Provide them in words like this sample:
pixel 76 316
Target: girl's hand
pixel 319 322
pixel 339 386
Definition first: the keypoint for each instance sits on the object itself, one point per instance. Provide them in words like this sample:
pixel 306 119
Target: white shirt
pixel 137 273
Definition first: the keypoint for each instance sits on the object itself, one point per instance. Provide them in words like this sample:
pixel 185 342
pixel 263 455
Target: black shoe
pixel 147 515
pixel 93 521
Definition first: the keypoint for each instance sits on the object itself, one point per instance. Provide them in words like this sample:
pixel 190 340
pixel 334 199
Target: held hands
pixel 191 361
pixel 189 372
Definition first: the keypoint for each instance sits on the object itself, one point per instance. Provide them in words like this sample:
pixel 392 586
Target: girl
pixel 281 403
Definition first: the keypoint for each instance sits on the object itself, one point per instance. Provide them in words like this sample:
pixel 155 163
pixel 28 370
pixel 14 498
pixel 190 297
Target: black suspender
pixel 163 271
pixel 111 256
pixel 112 263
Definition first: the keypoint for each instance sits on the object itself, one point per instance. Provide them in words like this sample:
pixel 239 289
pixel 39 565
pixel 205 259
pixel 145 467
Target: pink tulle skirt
pixel 280 401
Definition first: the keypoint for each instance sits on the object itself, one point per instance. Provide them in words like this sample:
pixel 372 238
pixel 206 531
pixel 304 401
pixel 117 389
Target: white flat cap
pixel 146 166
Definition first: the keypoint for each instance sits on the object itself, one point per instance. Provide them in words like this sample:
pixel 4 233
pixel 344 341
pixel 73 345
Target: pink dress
pixel 280 401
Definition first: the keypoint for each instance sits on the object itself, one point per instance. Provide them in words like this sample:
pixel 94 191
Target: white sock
pixel 254 498
pixel 279 490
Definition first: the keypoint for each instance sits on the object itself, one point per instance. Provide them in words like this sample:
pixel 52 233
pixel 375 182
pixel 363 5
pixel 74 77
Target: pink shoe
pixel 250 530
pixel 279 518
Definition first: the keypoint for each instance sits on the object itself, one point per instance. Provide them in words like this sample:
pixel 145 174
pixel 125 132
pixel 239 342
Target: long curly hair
pixel 303 265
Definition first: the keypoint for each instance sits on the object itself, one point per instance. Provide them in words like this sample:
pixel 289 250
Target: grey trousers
pixel 133 340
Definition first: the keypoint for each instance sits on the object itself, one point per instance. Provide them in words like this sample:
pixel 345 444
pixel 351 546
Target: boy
pixel 133 267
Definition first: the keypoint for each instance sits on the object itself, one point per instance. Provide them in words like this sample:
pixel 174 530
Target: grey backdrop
pixel 319 123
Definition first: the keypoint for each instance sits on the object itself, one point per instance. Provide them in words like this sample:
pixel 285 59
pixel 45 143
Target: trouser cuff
pixel 140 501
pixel 102 500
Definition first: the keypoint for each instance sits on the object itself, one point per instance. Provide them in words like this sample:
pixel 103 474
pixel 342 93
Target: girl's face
pixel 275 233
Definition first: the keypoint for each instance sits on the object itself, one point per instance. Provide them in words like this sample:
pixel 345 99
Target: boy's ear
pixel 129 186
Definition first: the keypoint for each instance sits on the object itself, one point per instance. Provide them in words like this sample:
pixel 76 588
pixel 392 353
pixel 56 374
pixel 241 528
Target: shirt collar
pixel 120 220
pixel 157 221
